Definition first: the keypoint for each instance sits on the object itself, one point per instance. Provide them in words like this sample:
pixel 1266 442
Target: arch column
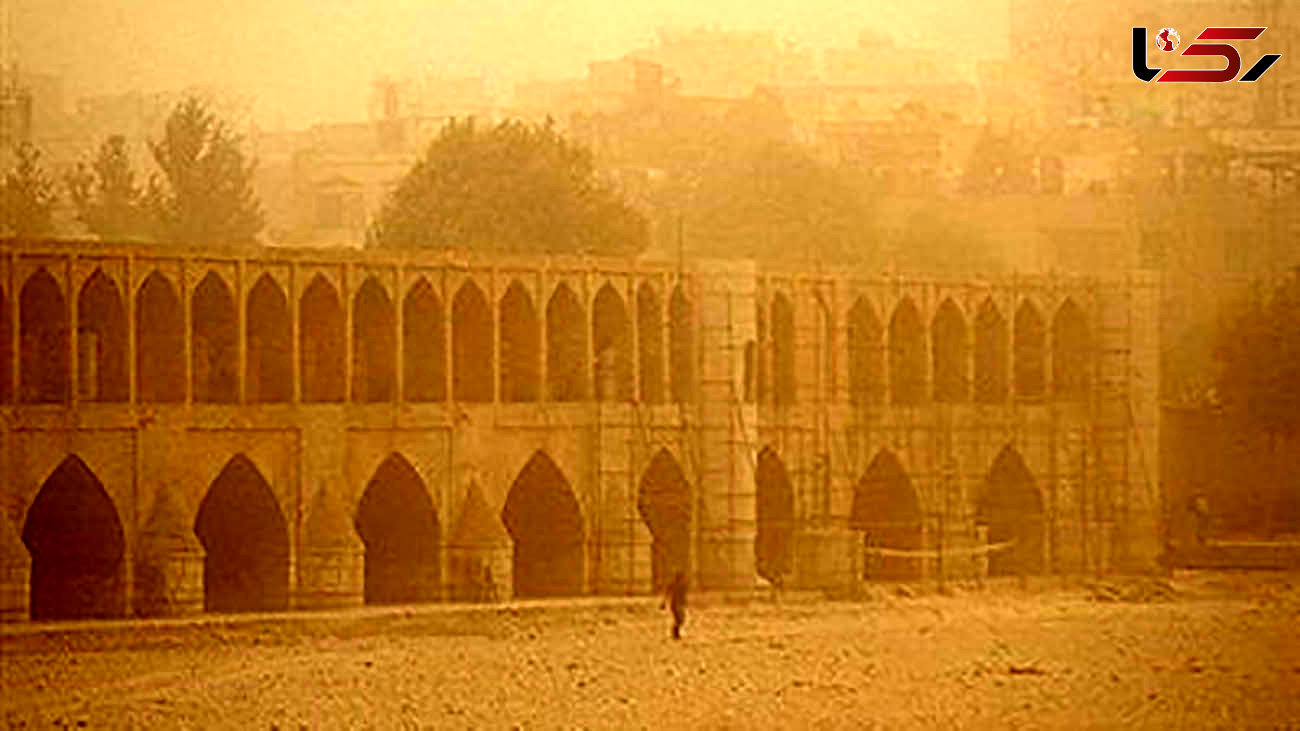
pixel 448 302
pixel 132 345
pixel 187 330
pixel 295 328
pixel 74 345
pixel 345 301
pixel 543 347
pixel 494 317
pixel 399 342
pixel 241 333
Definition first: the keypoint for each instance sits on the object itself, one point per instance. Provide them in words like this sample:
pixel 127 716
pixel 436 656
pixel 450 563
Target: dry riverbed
pixel 1197 651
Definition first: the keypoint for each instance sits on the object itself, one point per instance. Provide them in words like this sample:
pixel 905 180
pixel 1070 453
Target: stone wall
pixel 776 395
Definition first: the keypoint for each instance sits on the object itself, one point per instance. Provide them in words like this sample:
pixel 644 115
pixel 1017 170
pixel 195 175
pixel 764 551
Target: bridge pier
pixel 332 560
pixel 15 574
pixel 727 431
pixel 168 578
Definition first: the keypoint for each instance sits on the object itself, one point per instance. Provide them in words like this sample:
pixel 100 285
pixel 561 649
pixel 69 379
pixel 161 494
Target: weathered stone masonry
pixel 259 429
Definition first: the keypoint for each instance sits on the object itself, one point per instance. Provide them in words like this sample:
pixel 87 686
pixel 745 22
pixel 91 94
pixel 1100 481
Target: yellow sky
pixel 306 60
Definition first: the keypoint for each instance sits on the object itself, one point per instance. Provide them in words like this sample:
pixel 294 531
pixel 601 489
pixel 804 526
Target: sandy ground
pixel 1197 651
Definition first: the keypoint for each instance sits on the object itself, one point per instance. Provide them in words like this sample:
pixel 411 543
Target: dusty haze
pixel 307 62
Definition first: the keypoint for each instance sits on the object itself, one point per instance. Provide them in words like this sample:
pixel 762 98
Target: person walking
pixel 675 598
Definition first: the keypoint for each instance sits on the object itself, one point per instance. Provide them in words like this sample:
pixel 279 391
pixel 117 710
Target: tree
pixel 774 200
pixel 943 239
pixel 107 199
pixel 28 195
pixel 515 187
pixel 208 197
pixel 1259 386
pixel 1259 352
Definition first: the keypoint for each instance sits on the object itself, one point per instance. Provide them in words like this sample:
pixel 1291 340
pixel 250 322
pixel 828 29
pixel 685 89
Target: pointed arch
pixel 472 367
pixel 906 355
pixel 424 345
pixel 774 540
pixel 1029 350
pixel 246 541
pixel 374 344
pixel 566 347
pixel 1070 346
pixel 545 522
pixel 268 366
pixel 1012 508
pixel 159 342
pixel 397 521
pixel 681 335
pixel 888 511
pixel 43 334
pixel 321 347
pixel 520 346
pixel 784 384
pixel 949 354
pixel 215 347
pixel 866 355
pixel 650 344
pixel 101 341
pixel 77 545
pixel 612 341
pixel 990 354
pixel 664 503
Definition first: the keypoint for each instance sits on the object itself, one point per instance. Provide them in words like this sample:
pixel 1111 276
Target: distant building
pixel 322 186
pixel 718 63
pixel 15 116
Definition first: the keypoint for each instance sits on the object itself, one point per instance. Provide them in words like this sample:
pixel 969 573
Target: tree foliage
pixel 106 196
pixel 773 200
pixel 937 240
pixel 516 186
pixel 208 195
pixel 27 195
pixel 1259 351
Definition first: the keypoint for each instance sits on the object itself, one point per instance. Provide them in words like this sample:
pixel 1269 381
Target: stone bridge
pixel 194 430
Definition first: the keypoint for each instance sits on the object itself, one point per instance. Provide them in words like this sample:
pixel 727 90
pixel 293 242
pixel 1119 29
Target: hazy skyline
pixel 316 61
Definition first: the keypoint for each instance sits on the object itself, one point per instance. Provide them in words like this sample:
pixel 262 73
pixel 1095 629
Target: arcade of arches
pixel 531 429
pixel 572 353
pixel 76 540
